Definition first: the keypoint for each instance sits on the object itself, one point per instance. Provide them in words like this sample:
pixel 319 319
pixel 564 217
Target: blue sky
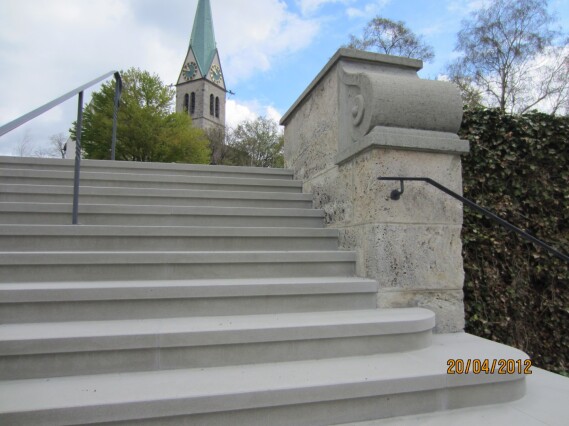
pixel 270 49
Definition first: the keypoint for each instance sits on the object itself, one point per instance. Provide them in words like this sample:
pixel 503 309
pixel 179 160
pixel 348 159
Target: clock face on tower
pixel 215 74
pixel 190 70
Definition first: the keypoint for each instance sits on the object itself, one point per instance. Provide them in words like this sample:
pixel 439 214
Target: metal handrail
pixel 396 194
pixel 78 91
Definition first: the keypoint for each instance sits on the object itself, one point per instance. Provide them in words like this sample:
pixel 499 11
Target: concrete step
pixel 100 266
pixel 144 168
pixel 131 180
pixel 98 347
pixel 162 238
pixel 314 392
pixel 113 300
pixel 543 404
pixel 130 215
pixel 153 196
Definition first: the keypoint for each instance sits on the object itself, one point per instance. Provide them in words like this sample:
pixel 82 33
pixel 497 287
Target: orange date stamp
pixel 489 366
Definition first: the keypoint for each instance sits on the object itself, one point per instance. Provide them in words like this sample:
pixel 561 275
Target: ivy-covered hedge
pixel 515 292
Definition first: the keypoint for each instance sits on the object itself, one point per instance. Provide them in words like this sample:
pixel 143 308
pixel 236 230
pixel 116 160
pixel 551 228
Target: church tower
pixel 200 90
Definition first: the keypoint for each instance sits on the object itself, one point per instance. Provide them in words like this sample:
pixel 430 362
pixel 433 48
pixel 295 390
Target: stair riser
pixel 121 183
pixel 316 407
pixel 181 307
pixel 181 356
pixel 102 166
pixel 156 172
pixel 19 218
pixel 171 271
pixel 128 243
pixel 156 201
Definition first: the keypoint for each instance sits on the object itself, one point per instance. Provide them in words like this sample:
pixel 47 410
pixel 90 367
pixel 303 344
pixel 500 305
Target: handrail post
pixel 78 129
pixel 118 90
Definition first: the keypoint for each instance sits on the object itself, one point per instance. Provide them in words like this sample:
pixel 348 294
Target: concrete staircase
pixel 206 296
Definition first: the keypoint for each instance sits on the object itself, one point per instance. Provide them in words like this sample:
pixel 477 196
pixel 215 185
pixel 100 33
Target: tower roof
pixel 203 38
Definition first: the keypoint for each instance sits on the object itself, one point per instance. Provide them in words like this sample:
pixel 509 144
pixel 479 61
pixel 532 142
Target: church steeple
pixel 200 90
pixel 203 36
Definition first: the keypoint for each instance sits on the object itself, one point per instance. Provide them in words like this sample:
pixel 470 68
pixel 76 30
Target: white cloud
pixel 273 114
pixel 308 7
pixel 368 11
pixel 46 51
pixel 52 46
pixel 255 34
pixel 48 47
pixel 237 112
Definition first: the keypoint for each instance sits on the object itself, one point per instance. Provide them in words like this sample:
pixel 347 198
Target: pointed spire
pixel 203 39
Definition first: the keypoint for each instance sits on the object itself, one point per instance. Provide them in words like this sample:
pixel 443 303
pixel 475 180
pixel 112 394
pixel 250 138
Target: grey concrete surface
pixel 154 296
pixel 95 266
pixel 154 196
pixel 398 384
pixel 114 300
pixel 145 168
pixel 56 177
pixel 163 238
pixel 544 404
pixel 158 215
pixel 91 347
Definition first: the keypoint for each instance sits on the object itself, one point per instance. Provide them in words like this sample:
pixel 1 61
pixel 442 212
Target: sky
pixel 270 49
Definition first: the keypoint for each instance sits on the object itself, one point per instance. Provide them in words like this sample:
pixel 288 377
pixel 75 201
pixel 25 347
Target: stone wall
pixel 412 247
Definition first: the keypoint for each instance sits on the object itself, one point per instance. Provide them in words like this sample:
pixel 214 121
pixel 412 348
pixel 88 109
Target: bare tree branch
pixel 392 38
pixel 510 57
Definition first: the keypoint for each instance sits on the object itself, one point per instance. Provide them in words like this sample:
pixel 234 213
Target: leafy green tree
pixel 147 129
pixel 391 38
pixel 220 150
pixel 257 143
pixel 509 56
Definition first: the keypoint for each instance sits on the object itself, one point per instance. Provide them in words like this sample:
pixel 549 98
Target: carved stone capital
pixel 391 107
pixel 390 100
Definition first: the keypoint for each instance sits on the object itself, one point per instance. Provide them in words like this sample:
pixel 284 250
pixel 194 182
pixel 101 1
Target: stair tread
pixel 151 394
pixel 208 287
pixel 187 257
pixel 154 178
pixel 16 339
pixel 14 162
pixel 148 230
pixel 157 209
pixel 154 192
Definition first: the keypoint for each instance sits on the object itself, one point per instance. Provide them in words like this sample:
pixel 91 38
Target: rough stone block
pixel 420 203
pixel 414 256
pixel 353 239
pixel 313 133
pixel 332 192
pixel 447 305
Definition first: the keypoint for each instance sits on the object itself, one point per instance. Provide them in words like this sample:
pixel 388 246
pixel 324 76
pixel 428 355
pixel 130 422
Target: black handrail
pixel 396 194
pixel 44 108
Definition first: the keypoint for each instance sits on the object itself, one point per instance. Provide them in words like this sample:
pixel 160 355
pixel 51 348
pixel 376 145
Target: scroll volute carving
pixel 401 100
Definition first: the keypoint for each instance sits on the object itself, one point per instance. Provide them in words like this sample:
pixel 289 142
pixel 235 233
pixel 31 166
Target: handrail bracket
pixel 396 195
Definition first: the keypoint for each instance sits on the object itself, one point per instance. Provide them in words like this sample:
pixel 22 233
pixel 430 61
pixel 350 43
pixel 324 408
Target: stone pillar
pixel 368 115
